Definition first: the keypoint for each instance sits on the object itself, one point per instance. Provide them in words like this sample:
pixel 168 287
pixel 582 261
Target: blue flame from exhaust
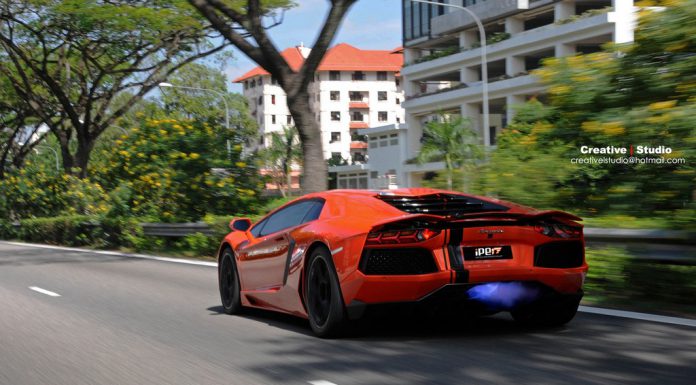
pixel 504 295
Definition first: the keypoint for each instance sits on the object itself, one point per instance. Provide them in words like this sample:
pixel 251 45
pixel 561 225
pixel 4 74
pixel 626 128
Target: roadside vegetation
pixel 639 94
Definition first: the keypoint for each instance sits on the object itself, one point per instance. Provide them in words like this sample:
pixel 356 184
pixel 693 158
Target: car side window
pixel 287 217
pixel 314 211
pixel 256 230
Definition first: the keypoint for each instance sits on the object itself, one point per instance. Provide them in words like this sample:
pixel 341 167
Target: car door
pixel 262 263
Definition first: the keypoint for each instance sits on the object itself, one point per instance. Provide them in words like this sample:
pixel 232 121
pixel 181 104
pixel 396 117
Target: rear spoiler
pixel 483 216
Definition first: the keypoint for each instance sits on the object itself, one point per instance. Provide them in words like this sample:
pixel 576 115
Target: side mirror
pixel 240 224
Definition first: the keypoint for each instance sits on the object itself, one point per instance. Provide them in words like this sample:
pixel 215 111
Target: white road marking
pixel 116 253
pixel 639 316
pixel 336 251
pixel 321 382
pixel 44 291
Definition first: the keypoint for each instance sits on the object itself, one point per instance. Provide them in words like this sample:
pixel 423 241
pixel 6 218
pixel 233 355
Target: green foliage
pixel 166 170
pixel 284 151
pixel 69 230
pixel 639 94
pixel 618 278
pixel 35 191
pixel 451 139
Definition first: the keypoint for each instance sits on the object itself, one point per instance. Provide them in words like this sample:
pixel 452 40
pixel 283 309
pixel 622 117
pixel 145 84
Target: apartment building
pixel 442 65
pixel 353 89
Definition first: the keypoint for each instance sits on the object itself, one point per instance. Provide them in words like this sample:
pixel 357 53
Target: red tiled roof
pixel 291 55
pixel 341 57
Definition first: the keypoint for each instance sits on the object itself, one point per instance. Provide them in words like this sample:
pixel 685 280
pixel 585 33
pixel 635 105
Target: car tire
pixel 547 314
pixel 228 280
pixel 323 299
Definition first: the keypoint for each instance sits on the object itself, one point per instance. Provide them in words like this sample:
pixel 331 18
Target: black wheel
pixel 323 297
pixel 548 314
pixel 229 283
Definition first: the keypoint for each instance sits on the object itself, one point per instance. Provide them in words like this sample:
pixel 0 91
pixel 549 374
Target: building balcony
pixel 456 96
pixel 358 105
pixel 358 145
pixel 518 44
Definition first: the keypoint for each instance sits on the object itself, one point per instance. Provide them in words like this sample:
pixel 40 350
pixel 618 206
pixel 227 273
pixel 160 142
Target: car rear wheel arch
pixel 310 250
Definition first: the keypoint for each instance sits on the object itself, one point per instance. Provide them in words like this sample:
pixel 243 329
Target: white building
pixel 442 69
pixel 353 89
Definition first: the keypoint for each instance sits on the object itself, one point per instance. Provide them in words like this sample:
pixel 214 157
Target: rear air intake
pixel 440 204
pixel 397 262
pixel 559 254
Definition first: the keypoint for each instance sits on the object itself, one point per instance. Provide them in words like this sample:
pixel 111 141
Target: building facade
pixel 353 89
pixel 442 62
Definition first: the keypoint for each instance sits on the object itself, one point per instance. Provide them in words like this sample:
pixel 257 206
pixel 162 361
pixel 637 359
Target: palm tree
pixel 450 139
pixel 283 151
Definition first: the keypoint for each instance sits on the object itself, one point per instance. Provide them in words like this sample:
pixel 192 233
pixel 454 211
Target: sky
pixel 370 24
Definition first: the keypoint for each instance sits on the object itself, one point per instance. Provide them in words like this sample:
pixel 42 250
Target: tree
pixel 177 170
pixel 242 23
pixel 450 139
pixel 19 129
pixel 68 60
pixel 283 152
pixel 640 94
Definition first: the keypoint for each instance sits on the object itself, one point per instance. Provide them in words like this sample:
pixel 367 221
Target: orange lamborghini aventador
pixel 330 256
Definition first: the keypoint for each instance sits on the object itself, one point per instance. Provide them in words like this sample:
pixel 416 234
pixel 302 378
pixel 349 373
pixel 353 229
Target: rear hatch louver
pixel 447 205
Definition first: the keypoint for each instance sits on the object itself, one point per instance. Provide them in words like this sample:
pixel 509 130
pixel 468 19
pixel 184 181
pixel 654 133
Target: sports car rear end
pixel 459 250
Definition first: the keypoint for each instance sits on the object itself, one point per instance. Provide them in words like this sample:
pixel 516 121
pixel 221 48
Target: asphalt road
pixel 123 320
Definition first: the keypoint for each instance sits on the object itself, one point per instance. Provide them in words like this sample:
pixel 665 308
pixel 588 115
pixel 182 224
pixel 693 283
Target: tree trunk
pixel 82 157
pixel 314 166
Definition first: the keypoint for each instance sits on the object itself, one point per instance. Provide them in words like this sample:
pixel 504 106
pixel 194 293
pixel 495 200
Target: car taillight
pixel 557 230
pixel 387 237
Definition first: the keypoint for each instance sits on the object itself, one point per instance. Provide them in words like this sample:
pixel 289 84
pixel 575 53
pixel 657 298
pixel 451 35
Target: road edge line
pixel 116 253
pixel 638 316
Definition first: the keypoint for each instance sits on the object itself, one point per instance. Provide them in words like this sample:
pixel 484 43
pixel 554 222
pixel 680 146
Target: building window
pixel 336 116
pixel 493 133
pixel 381 75
pixel 334 75
pixel 273 119
pixel 393 139
pixel 246 85
pixel 356 116
pixel 335 95
pixel 355 96
pixel 260 100
pixel 272 99
pixel 335 137
pixel 253 83
pixel 382 116
pixel 260 81
pixel 398 119
pixel 274 80
pixel 316 77
pixel 397 81
pixel 381 95
pixel 289 120
pixel 358 75
pixel 398 101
